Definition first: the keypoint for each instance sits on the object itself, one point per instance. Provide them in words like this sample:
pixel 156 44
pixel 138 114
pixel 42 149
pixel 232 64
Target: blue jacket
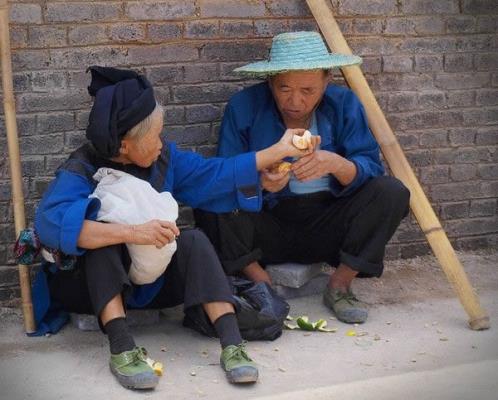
pixel 252 122
pixel 215 184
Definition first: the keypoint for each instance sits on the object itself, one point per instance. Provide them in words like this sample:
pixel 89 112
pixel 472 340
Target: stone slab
pixel 315 286
pixel 87 322
pixel 293 275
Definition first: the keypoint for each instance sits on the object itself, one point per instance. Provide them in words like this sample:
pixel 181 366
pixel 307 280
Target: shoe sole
pixel 142 381
pixel 242 375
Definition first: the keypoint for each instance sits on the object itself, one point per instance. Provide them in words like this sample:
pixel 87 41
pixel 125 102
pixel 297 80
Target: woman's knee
pixel 108 260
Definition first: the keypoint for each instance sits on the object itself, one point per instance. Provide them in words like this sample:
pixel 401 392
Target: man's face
pixel 297 93
pixel 145 150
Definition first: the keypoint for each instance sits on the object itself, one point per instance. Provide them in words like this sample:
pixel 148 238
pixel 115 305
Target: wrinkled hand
pixel 292 151
pixel 156 232
pixel 274 181
pixel 315 165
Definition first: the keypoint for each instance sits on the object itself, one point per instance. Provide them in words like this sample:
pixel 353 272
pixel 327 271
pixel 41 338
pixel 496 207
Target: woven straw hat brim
pixel 265 68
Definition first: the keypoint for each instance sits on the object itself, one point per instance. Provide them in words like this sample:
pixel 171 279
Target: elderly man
pixel 334 205
pixel 125 132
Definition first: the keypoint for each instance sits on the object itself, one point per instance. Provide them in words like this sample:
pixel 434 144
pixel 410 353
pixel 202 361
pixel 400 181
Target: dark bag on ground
pixel 261 312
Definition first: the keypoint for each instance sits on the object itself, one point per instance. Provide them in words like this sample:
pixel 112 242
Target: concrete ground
pixel 416 344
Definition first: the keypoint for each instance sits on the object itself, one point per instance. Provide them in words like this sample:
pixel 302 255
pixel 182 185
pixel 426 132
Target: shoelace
pixel 348 296
pixel 240 352
pixel 133 356
pixel 141 354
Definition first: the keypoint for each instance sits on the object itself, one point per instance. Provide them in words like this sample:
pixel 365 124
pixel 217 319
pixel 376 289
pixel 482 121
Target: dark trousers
pixel 194 277
pixel 318 227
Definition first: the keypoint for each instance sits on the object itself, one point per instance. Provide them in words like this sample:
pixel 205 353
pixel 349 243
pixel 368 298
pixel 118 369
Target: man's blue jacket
pixel 252 122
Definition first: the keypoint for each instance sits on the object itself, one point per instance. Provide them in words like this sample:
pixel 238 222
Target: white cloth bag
pixel 129 200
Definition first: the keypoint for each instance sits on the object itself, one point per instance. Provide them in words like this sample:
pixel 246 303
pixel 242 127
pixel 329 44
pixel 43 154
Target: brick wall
pixel 432 64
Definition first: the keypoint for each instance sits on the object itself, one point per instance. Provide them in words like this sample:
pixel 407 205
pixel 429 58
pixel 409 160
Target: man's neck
pixel 303 123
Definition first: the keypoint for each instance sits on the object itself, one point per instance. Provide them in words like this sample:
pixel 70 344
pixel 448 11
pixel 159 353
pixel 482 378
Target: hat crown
pixel 298 46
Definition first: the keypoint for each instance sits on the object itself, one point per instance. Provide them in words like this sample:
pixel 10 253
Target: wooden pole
pixel 400 167
pixel 15 162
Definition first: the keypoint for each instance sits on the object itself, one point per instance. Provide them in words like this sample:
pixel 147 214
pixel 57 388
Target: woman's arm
pixel 284 148
pixel 94 235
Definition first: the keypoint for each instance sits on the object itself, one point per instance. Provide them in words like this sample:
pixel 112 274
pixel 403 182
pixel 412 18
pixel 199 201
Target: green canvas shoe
pixel 134 370
pixel 238 367
pixel 345 305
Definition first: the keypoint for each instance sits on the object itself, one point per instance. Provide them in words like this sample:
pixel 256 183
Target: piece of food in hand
pixel 284 166
pixel 302 142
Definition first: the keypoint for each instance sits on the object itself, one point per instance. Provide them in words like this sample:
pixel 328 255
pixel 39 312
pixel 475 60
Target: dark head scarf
pixel 123 98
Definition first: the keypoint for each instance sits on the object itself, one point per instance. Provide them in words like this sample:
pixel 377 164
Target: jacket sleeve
pixel 216 184
pixel 62 210
pixel 233 132
pixel 357 144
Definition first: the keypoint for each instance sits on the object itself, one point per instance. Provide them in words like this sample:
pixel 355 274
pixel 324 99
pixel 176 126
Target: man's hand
pixel 316 165
pixel 274 181
pixel 156 232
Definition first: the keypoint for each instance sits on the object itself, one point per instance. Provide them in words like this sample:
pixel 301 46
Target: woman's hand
pixel 274 181
pixel 156 232
pixel 284 148
pixel 290 150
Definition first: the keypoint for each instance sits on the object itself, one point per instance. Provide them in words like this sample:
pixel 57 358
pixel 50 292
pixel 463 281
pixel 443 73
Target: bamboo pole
pixel 400 167
pixel 15 162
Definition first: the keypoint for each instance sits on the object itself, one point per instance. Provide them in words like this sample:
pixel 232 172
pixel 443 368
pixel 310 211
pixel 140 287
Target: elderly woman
pixel 125 133
pixel 334 205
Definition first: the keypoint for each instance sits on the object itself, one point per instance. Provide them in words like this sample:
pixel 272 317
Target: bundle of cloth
pixel 130 200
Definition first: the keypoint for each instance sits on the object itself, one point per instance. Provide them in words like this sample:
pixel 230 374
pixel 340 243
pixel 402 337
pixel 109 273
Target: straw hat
pixel 297 51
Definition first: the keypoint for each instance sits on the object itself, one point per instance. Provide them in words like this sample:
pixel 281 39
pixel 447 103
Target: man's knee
pixel 391 191
pixel 191 238
pixel 391 194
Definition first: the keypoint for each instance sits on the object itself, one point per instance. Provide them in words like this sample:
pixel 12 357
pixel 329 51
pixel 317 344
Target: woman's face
pixel 145 150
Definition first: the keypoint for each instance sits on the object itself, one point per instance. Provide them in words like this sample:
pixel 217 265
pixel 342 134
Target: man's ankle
pixel 256 273
pixel 342 278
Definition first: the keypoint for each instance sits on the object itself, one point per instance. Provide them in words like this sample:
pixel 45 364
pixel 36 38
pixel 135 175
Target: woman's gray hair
pixel 143 127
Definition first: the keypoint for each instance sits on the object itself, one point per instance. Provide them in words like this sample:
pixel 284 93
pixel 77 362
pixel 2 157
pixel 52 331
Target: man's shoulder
pixel 335 93
pixel 340 98
pixel 250 94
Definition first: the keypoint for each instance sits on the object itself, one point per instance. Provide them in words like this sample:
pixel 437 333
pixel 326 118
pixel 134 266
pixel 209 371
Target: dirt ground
pixel 415 344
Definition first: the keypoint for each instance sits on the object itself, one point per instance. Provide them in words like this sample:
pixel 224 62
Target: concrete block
pixel 288 8
pixel 425 7
pixel 78 12
pixel 359 7
pixel 202 29
pixel 232 8
pixel 237 28
pixel 314 286
pixel 87 322
pixel 127 32
pixel 88 34
pixel 293 275
pixel 159 10
pixel 25 13
pixel 164 31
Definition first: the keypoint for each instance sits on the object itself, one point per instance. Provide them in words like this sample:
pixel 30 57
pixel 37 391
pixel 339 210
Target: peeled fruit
pixel 284 166
pixel 156 366
pixel 302 142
